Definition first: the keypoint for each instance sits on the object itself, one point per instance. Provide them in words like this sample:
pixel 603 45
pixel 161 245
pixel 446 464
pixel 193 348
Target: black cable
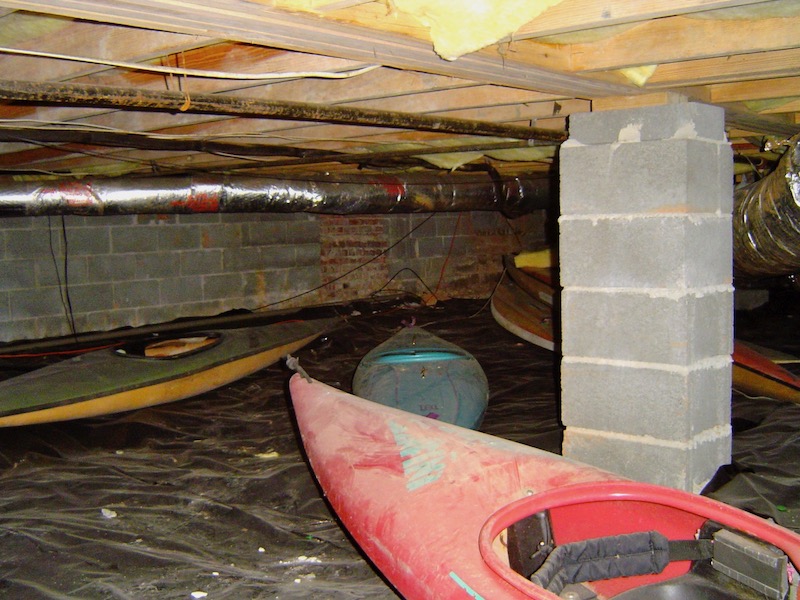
pixel 66 276
pixel 63 289
pixel 413 272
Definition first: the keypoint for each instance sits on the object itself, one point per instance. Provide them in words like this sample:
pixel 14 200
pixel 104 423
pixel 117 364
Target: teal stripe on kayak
pixel 423 460
pixel 463 584
pixel 415 356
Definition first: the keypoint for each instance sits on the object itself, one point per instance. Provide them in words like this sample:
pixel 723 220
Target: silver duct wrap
pixel 766 221
pixel 376 194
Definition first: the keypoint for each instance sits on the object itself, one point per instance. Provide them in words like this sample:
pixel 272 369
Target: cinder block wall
pixel 138 270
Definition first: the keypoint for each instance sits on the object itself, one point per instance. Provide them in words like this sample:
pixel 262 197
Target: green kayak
pixel 149 372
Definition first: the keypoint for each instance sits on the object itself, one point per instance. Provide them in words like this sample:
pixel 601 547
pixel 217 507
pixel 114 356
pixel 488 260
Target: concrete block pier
pixel 647 301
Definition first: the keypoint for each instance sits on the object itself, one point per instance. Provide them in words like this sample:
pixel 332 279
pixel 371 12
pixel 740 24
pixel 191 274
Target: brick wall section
pixel 346 243
pixel 458 257
pixel 459 254
pixel 138 270
pixel 486 237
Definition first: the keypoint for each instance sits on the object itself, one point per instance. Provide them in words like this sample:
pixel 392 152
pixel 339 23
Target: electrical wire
pixel 63 289
pixel 489 299
pixel 449 252
pixel 105 156
pixel 58 352
pixel 191 72
pixel 392 278
pixel 351 271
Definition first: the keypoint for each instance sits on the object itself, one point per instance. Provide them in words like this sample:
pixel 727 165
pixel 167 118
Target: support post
pixel 647 304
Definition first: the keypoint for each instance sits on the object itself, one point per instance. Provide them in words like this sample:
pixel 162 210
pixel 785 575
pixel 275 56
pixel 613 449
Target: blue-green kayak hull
pixel 421 373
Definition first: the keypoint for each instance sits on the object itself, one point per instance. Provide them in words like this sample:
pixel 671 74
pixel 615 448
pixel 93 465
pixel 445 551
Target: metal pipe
pixel 372 194
pixel 766 221
pixel 75 94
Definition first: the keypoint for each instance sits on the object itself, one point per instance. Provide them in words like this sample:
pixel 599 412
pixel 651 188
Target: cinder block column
pixel 647 304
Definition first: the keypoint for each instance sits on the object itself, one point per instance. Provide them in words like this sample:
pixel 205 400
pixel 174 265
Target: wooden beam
pixel 785 87
pixel 734 118
pixel 681 39
pixel 519 113
pixel 257 23
pixel 780 106
pixel 371 157
pixel 316 138
pixel 743 67
pixel 75 138
pixel 625 102
pixel 759 124
pixel 577 15
pixel 465 98
pixel 130 139
pixel 85 39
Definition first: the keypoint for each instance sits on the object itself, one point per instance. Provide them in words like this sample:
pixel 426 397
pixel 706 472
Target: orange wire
pixel 449 252
pixel 58 352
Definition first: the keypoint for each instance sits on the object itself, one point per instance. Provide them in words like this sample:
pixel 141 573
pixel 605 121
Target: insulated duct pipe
pixel 377 194
pixel 766 221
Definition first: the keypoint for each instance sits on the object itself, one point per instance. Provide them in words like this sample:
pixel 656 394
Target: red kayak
pixel 756 374
pixel 448 512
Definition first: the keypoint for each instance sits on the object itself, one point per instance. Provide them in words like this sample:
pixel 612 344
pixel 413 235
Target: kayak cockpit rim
pixel 395 357
pixel 593 495
pixel 170 347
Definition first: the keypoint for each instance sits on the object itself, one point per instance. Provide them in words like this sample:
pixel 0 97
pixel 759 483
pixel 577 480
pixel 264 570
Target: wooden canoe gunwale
pixel 523 316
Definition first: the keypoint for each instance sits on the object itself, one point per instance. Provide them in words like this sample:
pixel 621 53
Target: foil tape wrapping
pixel 766 221
pixel 371 194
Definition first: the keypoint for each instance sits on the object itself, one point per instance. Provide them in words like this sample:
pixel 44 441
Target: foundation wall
pixel 102 273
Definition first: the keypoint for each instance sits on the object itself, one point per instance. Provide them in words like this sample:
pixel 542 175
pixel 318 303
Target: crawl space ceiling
pixel 111 88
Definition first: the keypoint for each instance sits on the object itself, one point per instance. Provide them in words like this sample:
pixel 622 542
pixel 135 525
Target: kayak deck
pixel 428 501
pixel 522 315
pixel 756 374
pixel 419 372
pixel 110 381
